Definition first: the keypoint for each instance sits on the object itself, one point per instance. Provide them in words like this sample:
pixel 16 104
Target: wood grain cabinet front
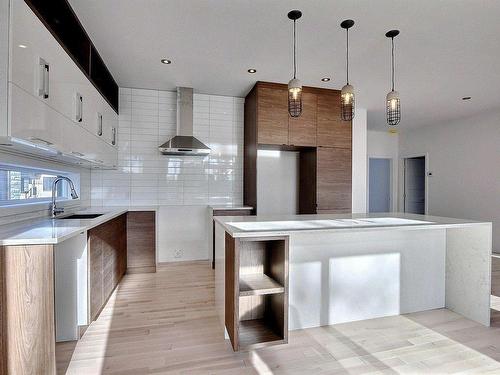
pixel 272 115
pixel 331 130
pixel 302 130
pixel 107 244
pixel 334 180
pixel 141 241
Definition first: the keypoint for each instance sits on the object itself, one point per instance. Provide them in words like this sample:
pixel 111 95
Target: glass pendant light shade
pixel 294 86
pixel 393 108
pixel 294 97
pixel 347 97
pixel 347 103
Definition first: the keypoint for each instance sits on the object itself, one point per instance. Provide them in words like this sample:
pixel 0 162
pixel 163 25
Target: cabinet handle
pixel 78 107
pixel 113 141
pixel 99 124
pixel 77 153
pixel 43 79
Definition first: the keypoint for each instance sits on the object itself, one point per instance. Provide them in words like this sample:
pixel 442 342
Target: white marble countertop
pixel 44 231
pixel 248 226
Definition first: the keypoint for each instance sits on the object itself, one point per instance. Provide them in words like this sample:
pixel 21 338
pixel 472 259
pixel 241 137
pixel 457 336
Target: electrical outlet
pixel 178 253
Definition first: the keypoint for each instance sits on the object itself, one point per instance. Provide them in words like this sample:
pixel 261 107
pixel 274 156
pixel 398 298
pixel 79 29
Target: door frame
pixel 392 204
pixel 401 197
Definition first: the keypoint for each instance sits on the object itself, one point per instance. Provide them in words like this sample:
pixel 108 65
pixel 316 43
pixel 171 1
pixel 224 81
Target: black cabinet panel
pixel 59 18
pixel 62 22
pixel 103 79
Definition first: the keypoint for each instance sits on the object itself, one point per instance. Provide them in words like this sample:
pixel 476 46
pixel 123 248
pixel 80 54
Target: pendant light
pixel 393 105
pixel 347 99
pixel 294 86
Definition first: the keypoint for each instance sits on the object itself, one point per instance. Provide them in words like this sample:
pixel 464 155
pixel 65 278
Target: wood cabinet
pixel 334 180
pixel 27 321
pixel 302 130
pixel 107 247
pixel 272 115
pixel 331 130
pixel 323 140
pixel 241 211
pixel 256 294
pixel 141 241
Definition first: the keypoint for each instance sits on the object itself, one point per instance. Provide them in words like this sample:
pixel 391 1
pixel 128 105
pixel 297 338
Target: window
pixel 21 185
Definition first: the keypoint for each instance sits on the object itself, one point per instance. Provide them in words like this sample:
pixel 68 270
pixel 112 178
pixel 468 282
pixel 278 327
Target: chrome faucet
pixel 54 209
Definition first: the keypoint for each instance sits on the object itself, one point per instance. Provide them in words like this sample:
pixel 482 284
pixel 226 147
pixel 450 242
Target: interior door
pixel 379 185
pixel 414 185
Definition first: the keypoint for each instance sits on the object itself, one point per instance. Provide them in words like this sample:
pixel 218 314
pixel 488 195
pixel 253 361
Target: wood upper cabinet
pixel 302 130
pixel 272 115
pixel 334 180
pixel 332 131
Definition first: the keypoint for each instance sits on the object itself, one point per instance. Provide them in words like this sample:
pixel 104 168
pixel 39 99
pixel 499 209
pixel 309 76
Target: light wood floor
pixel 166 323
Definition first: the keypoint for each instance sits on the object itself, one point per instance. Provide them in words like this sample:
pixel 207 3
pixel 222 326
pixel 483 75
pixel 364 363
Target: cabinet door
pixel 334 179
pixel 302 130
pixel 34 121
pixel 95 273
pixel 272 116
pixel 31 41
pixel 332 131
pixel 141 240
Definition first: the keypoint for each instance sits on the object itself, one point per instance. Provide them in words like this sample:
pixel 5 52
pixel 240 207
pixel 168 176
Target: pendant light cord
pixel 347 54
pixel 294 52
pixel 392 55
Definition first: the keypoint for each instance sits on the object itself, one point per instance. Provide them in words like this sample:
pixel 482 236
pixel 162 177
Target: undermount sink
pixel 81 216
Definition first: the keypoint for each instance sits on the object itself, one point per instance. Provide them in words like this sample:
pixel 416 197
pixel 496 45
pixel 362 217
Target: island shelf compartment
pixel 256 300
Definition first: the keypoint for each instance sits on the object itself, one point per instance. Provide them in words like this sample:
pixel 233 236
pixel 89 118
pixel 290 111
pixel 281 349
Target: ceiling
pixel 447 49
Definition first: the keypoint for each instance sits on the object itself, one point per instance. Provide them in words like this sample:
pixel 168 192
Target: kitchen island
pixel 280 273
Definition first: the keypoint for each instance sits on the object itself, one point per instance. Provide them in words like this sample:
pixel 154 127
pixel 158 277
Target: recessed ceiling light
pixel 252 71
pixel 22 46
pixel 166 61
pixel 325 79
pixel 467 98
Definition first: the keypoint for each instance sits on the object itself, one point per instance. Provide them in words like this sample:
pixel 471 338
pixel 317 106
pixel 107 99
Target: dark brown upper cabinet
pixel 272 115
pixel 62 22
pixel 332 131
pixel 302 130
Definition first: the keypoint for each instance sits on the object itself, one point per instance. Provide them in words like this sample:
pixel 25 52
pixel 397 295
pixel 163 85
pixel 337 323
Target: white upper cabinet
pixel 52 101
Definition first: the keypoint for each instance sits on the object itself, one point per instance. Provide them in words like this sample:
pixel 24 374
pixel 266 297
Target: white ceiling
pixel 447 49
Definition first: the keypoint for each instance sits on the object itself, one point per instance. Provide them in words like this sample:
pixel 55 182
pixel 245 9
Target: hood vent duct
pixel 184 143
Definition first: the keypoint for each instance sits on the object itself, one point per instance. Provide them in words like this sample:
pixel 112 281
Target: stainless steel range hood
pixel 184 143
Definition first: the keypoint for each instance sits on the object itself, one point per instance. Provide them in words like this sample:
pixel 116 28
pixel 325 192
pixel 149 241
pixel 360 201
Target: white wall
pixel 181 186
pixel 277 182
pixel 359 162
pixel 464 158
pixel 23 212
pixel 385 145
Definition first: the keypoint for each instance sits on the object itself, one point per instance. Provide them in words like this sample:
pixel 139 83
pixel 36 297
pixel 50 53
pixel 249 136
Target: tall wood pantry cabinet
pixel 323 140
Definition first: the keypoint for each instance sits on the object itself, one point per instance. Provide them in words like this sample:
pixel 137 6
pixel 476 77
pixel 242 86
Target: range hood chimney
pixel 184 143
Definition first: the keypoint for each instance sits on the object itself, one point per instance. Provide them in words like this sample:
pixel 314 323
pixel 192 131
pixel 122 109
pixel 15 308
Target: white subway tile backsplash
pixel 145 177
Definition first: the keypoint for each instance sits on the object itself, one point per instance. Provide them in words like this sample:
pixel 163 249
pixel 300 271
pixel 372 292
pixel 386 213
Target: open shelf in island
pixel 256 300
